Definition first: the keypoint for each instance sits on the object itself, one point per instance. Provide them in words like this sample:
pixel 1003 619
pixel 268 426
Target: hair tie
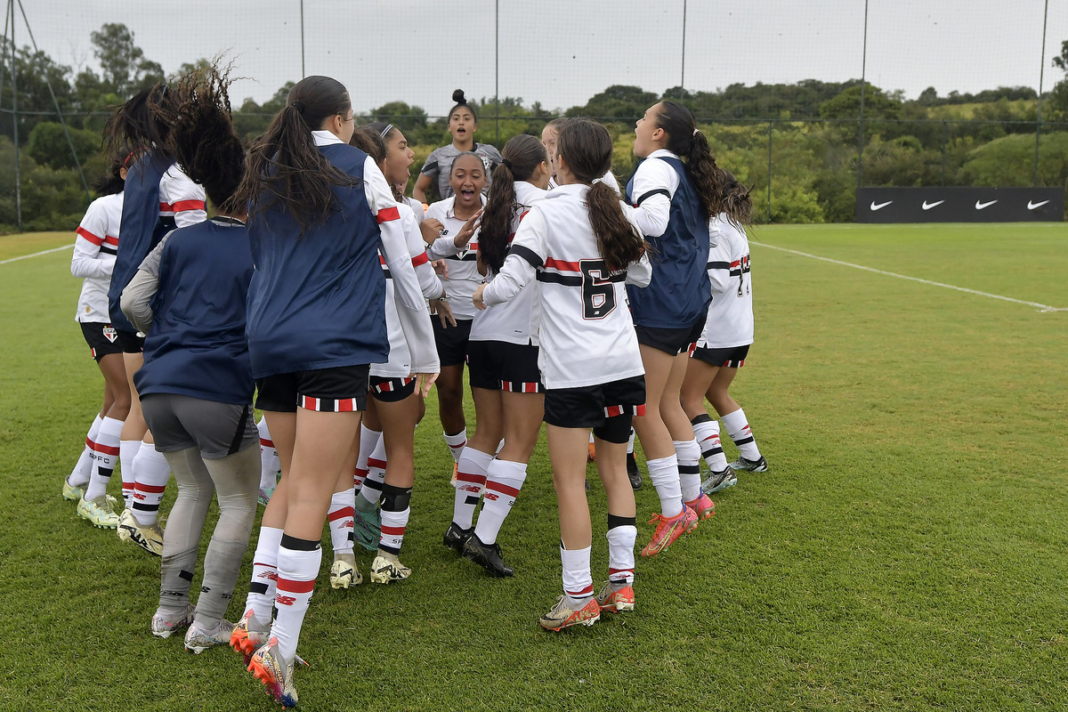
pixel 696 131
pixel 506 163
pixel 385 131
pixel 299 106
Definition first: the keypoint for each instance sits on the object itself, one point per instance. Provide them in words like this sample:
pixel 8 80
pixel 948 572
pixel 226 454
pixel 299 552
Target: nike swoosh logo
pixel 880 206
pixel 927 206
pixel 1032 206
pixel 979 205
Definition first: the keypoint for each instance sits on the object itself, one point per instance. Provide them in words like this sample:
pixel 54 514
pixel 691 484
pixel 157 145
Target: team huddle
pixel 324 296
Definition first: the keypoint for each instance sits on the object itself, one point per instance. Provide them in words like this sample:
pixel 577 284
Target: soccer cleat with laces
pixel 488 556
pixel 387 568
pixel 99 512
pixel 269 667
pixel 367 528
pixel 717 481
pixel 149 538
pixel 668 530
pixel 72 492
pixel 163 624
pixel 613 601
pixel 455 537
pixel 562 615
pixel 741 463
pixel 703 506
pixel 198 639
pixel 344 573
pixel 249 635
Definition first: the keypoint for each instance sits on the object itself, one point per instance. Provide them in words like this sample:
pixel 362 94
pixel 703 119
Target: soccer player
pixel 94 258
pixel 313 331
pixel 503 361
pixel 196 387
pixel 724 344
pixel 674 200
pixel 463 123
pixel 457 245
pixel 579 243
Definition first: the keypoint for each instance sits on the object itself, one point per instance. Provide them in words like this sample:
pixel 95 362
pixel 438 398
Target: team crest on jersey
pixel 110 334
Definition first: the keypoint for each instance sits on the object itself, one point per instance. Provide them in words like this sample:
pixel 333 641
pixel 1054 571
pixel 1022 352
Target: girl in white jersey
pixel 458 246
pixel 724 344
pixel 393 409
pixel 503 358
pixel 579 243
pixel 94 257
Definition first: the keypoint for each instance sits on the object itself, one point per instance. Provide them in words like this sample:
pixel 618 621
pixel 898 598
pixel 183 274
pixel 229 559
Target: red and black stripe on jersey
pixel 572 274
pixel 108 244
pixel 420 259
pixel 328 405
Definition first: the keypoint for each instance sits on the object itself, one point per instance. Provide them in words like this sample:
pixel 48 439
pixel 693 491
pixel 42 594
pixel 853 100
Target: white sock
pixel 83 469
pixel 664 473
pixel 470 479
pixel 298 565
pixel 578 581
pixel 152 472
pixel 393 525
pixel 456 443
pixel 368 441
pixel 128 450
pixel 264 574
pixel 503 481
pixel 738 428
pixel 707 432
pixel 269 465
pixel 689 455
pixel 340 516
pixel 621 536
pixel 630 443
pixel 106 457
pixel 371 492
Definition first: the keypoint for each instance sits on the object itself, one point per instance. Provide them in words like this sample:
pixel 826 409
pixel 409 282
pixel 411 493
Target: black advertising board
pixel 920 205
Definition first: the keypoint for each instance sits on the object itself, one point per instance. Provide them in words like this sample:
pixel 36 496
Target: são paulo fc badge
pixel 110 334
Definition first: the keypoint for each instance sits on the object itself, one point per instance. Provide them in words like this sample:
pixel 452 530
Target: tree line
pixel 802 140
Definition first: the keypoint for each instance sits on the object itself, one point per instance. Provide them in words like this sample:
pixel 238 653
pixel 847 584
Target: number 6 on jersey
pixel 598 294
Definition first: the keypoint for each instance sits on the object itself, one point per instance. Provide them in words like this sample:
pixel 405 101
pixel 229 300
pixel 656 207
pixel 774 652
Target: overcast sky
pixel 561 52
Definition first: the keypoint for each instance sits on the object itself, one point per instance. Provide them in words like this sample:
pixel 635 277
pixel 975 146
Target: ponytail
pixel 737 204
pixel 587 149
pixel 618 240
pixel 684 139
pixel 135 127
pixel 111 183
pixel 202 137
pixel 285 169
pixel 521 156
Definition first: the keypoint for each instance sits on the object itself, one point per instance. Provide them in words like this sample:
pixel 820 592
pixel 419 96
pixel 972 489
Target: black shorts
pixel 593 406
pixel 733 357
pixel 391 390
pixel 501 366
pixel 130 342
pixel 452 341
pixel 103 339
pixel 331 390
pixel 672 341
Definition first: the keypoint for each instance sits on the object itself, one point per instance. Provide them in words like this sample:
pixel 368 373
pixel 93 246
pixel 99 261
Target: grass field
pixel 906 551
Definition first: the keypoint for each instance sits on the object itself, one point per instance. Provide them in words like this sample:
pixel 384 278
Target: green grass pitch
pixel 906 551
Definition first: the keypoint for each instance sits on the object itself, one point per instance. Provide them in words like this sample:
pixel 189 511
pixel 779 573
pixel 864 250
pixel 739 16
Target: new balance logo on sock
pixel 284 600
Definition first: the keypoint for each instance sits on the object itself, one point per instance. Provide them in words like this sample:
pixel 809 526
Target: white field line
pixel 36 254
pixel 1040 307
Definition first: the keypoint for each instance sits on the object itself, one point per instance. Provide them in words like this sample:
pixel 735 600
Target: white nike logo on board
pixel 880 206
pixel 928 206
pixel 979 205
pixel 1032 206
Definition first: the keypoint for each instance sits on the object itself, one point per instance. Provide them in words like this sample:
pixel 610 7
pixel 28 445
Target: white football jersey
pixel 586 333
pixel 400 356
pixel 94 257
pixel 517 321
pixel 730 315
pixel 463 264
